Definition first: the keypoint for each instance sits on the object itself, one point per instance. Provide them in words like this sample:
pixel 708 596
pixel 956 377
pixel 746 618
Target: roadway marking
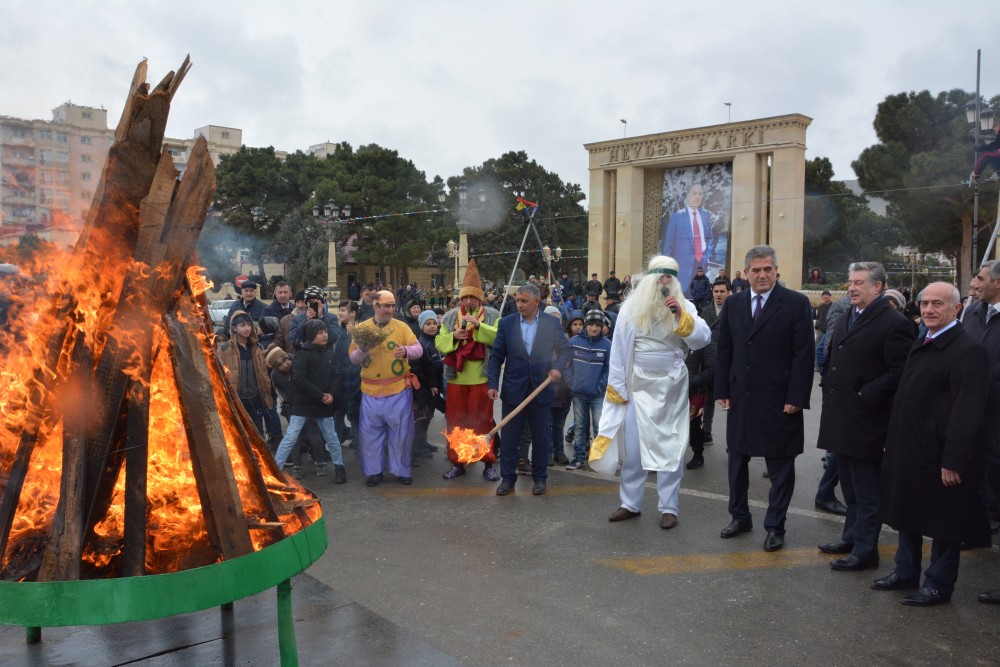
pixel 738 560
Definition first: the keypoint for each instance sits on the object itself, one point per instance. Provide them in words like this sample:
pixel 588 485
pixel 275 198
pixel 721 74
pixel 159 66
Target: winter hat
pixel 471 284
pixel 595 316
pixel 897 296
pixel 552 310
pixel 424 317
pixel 312 328
pixel 275 357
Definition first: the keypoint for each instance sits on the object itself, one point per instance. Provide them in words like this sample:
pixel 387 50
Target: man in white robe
pixel 645 419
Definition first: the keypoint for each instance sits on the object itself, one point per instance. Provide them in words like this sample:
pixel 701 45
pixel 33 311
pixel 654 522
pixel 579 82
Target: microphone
pixel 665 291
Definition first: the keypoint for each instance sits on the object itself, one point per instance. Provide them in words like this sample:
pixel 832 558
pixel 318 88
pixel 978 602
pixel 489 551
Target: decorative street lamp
pixel 453 253
pixel 332 215
pixel 912 259
pixel 464 208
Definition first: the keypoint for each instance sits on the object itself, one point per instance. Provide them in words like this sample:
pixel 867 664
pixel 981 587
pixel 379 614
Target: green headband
pixel 669 272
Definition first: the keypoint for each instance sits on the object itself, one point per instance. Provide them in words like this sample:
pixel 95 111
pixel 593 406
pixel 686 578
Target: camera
pixel 315 306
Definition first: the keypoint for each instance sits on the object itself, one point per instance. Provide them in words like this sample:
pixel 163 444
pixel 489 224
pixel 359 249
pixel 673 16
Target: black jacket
pixel 988 336
pixel 315 372
pixel 865 365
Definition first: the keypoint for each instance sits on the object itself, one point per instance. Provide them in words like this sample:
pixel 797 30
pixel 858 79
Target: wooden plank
pixel 136 462
pixel 223 510
pixel 61 560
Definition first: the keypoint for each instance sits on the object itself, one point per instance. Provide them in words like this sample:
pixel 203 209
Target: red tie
pixel 699 251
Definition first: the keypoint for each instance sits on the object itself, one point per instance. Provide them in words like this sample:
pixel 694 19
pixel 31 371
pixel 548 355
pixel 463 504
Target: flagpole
pixel 506 290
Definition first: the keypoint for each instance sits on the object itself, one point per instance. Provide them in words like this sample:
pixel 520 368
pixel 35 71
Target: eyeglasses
pixel 386 305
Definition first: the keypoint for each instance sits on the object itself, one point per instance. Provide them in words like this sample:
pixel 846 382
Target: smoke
pixel 484 216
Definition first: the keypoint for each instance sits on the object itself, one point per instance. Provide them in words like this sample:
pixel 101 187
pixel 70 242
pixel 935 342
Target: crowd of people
pixel 905 386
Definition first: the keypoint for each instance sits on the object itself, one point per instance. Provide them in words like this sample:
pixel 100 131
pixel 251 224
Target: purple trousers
pixel 386 420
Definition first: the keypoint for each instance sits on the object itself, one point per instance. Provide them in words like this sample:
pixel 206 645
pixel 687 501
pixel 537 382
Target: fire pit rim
pixel 123 599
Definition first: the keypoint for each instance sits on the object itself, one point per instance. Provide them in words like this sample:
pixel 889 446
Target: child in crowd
pixel 563 400
pixel 429 370
pixel 244 359
pixel 588 380
pixel 317 384
pixel 281 379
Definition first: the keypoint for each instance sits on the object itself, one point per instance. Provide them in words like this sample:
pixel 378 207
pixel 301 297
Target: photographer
pixel 339 340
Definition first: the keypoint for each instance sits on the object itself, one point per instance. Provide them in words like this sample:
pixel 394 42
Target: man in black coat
pixel 984 327
pixel 763 378
pixel 867 355
pixel 932 466
pixel 594 285
pixel 710 313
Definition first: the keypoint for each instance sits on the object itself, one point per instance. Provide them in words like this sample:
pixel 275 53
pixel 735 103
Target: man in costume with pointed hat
pixel 465 340
pixel 646 413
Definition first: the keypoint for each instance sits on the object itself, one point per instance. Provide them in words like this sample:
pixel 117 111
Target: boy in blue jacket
pixel 588 381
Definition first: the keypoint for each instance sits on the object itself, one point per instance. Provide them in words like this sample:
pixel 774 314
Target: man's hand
pixel 950 477
pixel 327 399
pixel 399 352
pixel 311 314
pixel 555 375
pixel 723 403
pixel 471 319
pixel 493 394
pixel 672 305
pixel 461 333
pixel 434 391
pixel 791 409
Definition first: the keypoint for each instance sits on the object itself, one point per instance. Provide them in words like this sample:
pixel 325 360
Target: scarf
pixel 468 349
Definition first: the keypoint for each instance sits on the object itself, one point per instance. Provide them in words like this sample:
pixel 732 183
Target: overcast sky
pixel 451 84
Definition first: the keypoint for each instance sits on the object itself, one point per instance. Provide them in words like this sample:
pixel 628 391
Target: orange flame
pixel 198 282
pixel 467 445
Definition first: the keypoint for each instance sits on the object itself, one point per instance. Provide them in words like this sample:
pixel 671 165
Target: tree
pixel 499 227
pixel 302 241
pixel 923 154
pixel 839 226
pixel 217 249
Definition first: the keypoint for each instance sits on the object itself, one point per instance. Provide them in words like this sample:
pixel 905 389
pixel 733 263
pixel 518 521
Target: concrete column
pixel 628 229
pixel 745 232
pixel 332 290
pixel 600 221
pixel 788 212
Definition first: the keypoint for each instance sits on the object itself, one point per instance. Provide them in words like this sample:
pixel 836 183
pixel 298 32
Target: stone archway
pixel 766 160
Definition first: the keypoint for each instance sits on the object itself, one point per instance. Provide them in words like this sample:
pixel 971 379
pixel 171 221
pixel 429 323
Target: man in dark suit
pixel 867 355
pixel 981 322
pixel 533 348
pixel 710 313
pixel 763 379
pixel 688 237
pixel 932 466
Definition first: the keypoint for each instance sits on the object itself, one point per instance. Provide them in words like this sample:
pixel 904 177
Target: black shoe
pixel 539 488
pixel 926 597
pixel 406 481
pixel 506 488
pixel 708 440
pixel 774 541
pixel 736 528
pixel 339 475
pixel 374 480
pixel 893 582
pixel 853 564
pixel 832 506
pixel 561 459
pixel 696 461
pixel 989 597
pixel 838 547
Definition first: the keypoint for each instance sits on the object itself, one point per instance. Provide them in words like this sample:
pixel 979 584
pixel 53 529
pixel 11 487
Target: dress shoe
pixel 561 459
pixel 736 528
pixel 405 480
pixel 668 521
pixel 989 597
pixel 832 506
pixel 506 488
pixel 774 541
pixel 695 462
pixel 926 597
pixel 838 547
pixel 893 582
pixel 622 513
pixel 539 488
pixel 853 564
pixel 374 480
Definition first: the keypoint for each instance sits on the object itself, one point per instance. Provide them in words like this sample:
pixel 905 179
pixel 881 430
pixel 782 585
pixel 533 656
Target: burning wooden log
pixel 123 371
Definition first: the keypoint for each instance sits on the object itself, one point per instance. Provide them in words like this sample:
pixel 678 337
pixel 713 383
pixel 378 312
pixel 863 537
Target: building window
pixel 85 140
pixel 86 194
pixel 45 135
pixel 87 116
pixel 86 158
pixel 225 135
pixel 85 176
pixel 62 137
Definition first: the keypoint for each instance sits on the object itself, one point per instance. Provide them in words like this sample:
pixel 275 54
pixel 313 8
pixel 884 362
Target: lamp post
pixel 331 215
pixel 453 253
pixel 464 209
pixel 981 121
pixel 912 259
pixel 548 258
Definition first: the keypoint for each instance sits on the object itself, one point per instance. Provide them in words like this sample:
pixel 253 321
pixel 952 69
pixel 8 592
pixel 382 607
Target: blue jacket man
pixel 533 347
pixel 679 239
